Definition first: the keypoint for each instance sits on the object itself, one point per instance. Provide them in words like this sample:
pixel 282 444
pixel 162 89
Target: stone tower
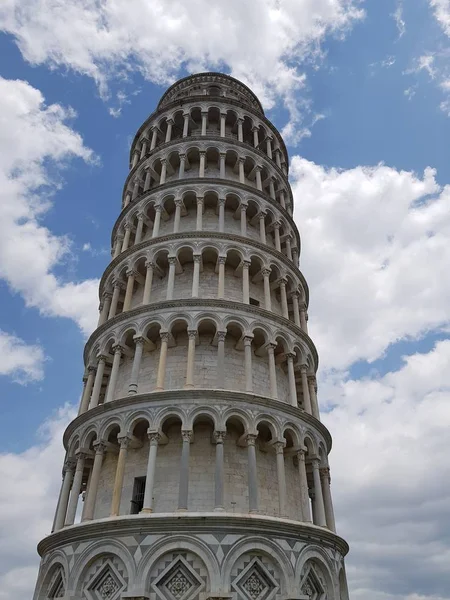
pixel 197 467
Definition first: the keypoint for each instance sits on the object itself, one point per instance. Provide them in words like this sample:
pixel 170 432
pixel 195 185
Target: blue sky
pixel 361 91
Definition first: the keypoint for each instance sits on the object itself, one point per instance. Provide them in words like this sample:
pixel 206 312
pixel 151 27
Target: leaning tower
pixel 197 467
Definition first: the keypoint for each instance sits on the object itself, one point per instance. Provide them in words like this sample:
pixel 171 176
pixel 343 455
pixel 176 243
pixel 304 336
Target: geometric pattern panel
pixel 254 578
pixel 56 588
pixel 313 585
pixel 105 581
pixel 178 576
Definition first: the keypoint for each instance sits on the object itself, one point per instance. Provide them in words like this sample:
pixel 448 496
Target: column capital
pixel 222 154
pixel 200 200
pixel 222 260
pixel 243 206
pixel 164 335
pixel 163 160
pixel 315 462
pixel 301 454
pixel 158 208
pixel 91 368
pixel 250 438
pixel 124 441
pixel 290 356
pixel 276 224
pixel 270 346
pixel 196 258
pixel 131 273
pixel 102 357
pixel 246 264
pixel 182 155
pixel 266 272
pixel 149 264
pixel 70 464
pixel 279 446
pixel 221 335
pixel 139 340
pixel 100 447
pixel 282 281
pixel 192 334
pixel 325 473
pixel 170 120
pixel 262 214
pixel 117 349
pixel 219 436
pixel 178 202
pixel 187 435
pixel 172 260
pixel 221 202
pixel 128 226
pixel 312 380
pixel 248 339
pixel 202 152
pixel 106 294
pixel 154 437
pixel 140 216
pixel 117 284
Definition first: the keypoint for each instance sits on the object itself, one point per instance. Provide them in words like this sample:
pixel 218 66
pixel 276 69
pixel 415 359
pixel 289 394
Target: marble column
pixel 240 122
pixel 129 290
pixel 157 221
pixel 87 390
pixel 69 470
pixel 199 221
pixel 190 363
pixel 204 122
pixel 222 165
pixel 169 130
pixel 284 302
pixel 312 384
pixel 117 286
pixel 147 181
pixel 107 297
pixel 241 170
pixel 185 124
pixel 126 237
pixel 139 228
pixel 171 278
pixel 136 367
pixel 272 371
pixel 222 124
pixel 196 275
pixel 154 438
pixel 295 309
pixel 162 178
pixel 319 508
pixel 118 246
pixel 221 359
pixel 154 131
pixel 182 166
pixel 135 189
pixel 255 136
pixel 248 363
pixel 183 491
pixel 281 477
pixel 245 282
pixel 176 220
pixel 243 219
pixel 219 437
pixel 276 229
pixel 124 442
pixel 267 297
pixel 221 215
pixel 201 169
pixel 252 473
pixel 148 282
pixel 305 390
pixel 221 286
pixel 291 377
pixel 258 178
pixel 98 381
pixel 327 501
pixel 269 147
pixel 91 496
pixel 114 373
pixel 262 227
pixel 288 247
pixel 303 323
pixel 305 504
pixel 76 489
pixel 161 375
pixel 143 149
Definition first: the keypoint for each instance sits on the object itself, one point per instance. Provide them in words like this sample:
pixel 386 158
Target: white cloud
pixel 22 362
pixel 27 504
pixel 369 237
pixel 28 250
pixel 399 20
pixel 263 44
pixel 441 9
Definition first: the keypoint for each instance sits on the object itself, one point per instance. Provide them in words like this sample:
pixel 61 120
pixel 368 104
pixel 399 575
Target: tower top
pixel 211 84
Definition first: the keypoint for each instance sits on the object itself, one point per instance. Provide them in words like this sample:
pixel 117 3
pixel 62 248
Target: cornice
pixel 208 137
pixel 214 100
pixel 191 523
pixel 204 235
pixel 210 395
pixel 203 181
pixel 187 303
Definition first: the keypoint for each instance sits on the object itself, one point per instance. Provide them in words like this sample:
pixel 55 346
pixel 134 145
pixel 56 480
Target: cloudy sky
pixel 361 91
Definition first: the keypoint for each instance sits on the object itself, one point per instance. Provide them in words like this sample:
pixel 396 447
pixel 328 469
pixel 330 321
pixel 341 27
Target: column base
pixel 147 510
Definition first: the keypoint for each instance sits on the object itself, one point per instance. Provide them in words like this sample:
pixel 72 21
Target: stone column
pixel 169 130
pixel 114 373
pixel 243 219
pixel 221 287
pixel 272 370
pixel 269 147
pixel 196 275
pixel 135 190
pixel 282 199
pixel 222 124
pixel 182 165
pixel 204 122
pixel 140 226
pixel 258 178
pixel 183 491
pixel 154 138
pixel 148 282
pixel 185 124
pixel 327 501
pixel 277 157
pixel 295 309
pixel 262 227
pixel 288 247
pixel 276 229
pixel 255 136
pixel 135 159
pixel 143 149
pixel 87 390
pixel 126 237
pixel 162 179
pixel 248 363
pixel 107 296
pixel 319 508
pixel 241 170
pixel 304 495
pixel 272 189
pixel 219 437
pixel 305 390
pixel 312 384
pixel 162 361
pixel 284 302
pixel 192 336
pixel 76 489
pixel 267 297
pixel 221 214
pixel 176 221
pixel 171 278
pixel 221 359
pixel 222 165
pixel 245 282
pixel 154 438
pixel 124 442
pixel 252 473
pixel 136 368
pixel 157 221
pixel 295 255
pixel 199 222
pixel 281 477
pixel 127 199
pixel 61 511
pixel 240 122
pixel 201 169
pixel 91 496
pixel 148 177
pixel 98 381
pixel 303 323
pixel 117 286
pixel 129 290
pixel 118 246
pixel 291 376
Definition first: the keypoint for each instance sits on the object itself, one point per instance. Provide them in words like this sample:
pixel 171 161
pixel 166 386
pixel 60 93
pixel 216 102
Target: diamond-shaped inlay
pixel 106 585
pixel 108 588
pixel 178 582
pixel 255 583
pixel 178 585
pixel 312 587
pixel 254 586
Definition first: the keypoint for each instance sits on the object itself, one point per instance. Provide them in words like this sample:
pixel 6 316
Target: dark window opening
pixel 137 500
pixel 254 302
